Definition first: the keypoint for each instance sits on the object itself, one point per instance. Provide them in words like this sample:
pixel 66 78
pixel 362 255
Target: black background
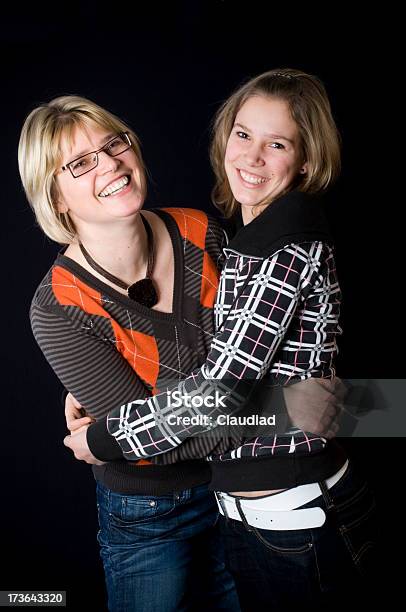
pixel 165 71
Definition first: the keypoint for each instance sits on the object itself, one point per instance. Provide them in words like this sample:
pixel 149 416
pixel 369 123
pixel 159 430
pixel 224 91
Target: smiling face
pixel 110 192
pixel 263 154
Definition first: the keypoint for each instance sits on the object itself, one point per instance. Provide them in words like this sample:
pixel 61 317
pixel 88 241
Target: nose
pixel 253 154
pixel 107 163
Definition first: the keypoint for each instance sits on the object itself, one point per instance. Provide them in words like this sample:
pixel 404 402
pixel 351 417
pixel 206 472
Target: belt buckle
pixel 221 505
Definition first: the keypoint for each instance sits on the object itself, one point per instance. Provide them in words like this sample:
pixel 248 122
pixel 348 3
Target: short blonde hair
pixel 310 109
pixel 39 156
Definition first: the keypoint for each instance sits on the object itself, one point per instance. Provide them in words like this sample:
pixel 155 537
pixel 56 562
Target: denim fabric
pixel 311 569
pixel 163 553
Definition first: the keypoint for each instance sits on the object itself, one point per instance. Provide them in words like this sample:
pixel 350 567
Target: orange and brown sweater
pixel 103 346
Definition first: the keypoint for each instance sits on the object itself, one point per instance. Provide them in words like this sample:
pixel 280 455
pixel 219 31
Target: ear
pixel 303 169
pixel 56 196
pixel 62 207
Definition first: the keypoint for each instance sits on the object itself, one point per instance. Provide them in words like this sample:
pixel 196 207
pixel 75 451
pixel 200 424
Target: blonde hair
pixel 310 109
pixel 39 156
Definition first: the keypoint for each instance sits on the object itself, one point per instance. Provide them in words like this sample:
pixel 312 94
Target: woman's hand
pixel 77 442
pixel 74 414
pixel 315 405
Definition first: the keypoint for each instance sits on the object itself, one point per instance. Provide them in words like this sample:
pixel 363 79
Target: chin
pixel 126 209
pixel 246 200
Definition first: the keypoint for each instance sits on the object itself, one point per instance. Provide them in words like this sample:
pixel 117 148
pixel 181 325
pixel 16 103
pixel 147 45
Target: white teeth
pixel 249 178
pixel 114 187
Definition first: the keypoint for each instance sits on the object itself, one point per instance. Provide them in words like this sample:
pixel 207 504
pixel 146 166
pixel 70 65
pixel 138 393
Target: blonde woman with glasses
pixel 125 308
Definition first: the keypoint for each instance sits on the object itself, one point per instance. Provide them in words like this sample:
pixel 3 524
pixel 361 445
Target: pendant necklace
pixel 143 291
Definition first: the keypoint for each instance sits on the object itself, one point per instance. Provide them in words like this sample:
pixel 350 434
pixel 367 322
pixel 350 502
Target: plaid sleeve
pixel 241 352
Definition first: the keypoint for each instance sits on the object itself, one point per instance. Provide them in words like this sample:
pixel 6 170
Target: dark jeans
pixel 163 554
pixel 311 569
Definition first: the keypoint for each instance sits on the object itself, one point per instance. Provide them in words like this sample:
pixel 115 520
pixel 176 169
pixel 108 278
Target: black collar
pixel 294 217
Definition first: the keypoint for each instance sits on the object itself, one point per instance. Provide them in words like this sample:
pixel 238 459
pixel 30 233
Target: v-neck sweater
pixel 102 345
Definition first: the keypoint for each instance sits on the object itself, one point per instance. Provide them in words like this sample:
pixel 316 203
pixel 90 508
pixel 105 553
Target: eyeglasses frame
pixel 68 165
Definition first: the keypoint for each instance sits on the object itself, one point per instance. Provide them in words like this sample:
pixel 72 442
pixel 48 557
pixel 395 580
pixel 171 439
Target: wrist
pixel 101 443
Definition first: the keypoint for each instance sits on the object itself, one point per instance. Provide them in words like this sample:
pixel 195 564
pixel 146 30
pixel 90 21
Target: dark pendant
pixel 143 292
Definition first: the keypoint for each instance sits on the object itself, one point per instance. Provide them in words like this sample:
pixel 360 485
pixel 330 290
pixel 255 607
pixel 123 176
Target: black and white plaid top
pixel 276 311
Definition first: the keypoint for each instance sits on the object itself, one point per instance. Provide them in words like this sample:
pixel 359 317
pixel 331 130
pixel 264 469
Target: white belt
pixel 278 512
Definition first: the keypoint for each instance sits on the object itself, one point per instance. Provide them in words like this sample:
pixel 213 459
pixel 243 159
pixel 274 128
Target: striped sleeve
pixel 241 352
pixel 88 366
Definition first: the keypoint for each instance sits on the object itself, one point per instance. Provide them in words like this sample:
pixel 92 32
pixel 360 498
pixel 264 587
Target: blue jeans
pixel 163 553
pixel 327 568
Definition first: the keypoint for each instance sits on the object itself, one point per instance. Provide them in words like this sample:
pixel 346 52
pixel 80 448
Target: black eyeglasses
pixel 88 162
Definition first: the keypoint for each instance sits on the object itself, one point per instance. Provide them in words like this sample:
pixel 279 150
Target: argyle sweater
pixel 105 347
pixel 277 310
